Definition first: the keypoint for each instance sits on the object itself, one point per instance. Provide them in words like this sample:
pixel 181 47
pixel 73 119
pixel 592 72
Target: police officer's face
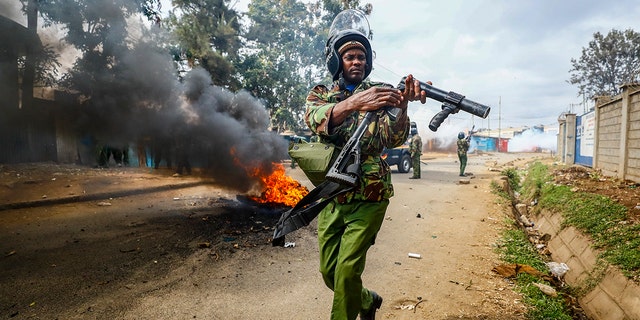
pixel 354 62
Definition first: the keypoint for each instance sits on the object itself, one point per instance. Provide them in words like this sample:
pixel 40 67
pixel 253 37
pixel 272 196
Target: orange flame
pixel 278 187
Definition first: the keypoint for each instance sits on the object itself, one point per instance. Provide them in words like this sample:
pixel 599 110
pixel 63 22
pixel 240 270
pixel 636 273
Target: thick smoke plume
pixel 224 133
pixel 139 103
pixel 533 141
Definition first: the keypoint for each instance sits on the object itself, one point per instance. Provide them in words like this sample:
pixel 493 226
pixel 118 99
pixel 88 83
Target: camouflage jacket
pixel 415 146
pixel 463 146
pixel 383 132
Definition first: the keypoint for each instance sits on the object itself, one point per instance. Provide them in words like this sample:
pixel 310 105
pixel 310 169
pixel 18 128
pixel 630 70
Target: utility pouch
pixel 314 158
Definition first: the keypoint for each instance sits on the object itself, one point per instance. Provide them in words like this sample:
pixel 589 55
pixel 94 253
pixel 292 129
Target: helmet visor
pixel 350 19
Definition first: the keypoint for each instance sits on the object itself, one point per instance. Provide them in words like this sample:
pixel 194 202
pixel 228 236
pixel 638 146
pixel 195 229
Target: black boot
pixel 371 314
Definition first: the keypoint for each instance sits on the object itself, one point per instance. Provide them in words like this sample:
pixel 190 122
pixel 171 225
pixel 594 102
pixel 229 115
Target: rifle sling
pixel 306 209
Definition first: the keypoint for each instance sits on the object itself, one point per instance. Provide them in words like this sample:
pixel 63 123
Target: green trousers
pixel 463 163
pixel 415 162
pixel 345 234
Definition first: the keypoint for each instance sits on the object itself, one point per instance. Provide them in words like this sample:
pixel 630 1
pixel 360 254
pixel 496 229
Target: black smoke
pixel 138 101
pixel 226 134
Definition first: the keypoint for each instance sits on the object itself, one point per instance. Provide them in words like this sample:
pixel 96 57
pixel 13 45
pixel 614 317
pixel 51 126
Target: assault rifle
pixel 342 176
pixel 345 169
pixel 471 132
pixel 452 102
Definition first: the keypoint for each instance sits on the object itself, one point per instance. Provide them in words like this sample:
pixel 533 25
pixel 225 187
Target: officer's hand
pixel 375 98
pixel 412 91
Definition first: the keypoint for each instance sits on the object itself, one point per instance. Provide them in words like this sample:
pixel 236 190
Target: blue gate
pixel 585 134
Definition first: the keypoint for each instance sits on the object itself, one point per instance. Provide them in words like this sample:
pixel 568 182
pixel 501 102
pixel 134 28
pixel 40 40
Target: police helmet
pixel 350 28
pixel 461 135
pixel 414 131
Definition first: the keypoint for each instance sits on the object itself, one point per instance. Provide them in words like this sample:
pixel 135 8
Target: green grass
pixel 516 248
pixel 599 217
pixel 513 178
pixel 602 219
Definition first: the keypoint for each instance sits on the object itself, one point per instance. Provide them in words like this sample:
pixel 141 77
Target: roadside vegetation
pixel 605 221
pixel 515 248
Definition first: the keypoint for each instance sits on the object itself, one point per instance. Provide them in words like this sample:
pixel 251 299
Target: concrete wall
pixel 617 135
pixel 607 155
pixel 567 138
pixel 633 138
pixel 614 297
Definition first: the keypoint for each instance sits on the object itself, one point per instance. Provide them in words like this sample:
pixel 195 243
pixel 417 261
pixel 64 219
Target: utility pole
pixel 499 118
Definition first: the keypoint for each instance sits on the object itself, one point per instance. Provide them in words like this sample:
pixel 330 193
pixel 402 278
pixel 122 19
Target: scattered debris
pixel 558 269
pixel 104 204
pixel 289 244
pixel 406 307
pixel 546 289
pixel 513 269
pixel 415 255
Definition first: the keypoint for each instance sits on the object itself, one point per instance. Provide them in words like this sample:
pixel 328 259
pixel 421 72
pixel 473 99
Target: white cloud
pixel 513 53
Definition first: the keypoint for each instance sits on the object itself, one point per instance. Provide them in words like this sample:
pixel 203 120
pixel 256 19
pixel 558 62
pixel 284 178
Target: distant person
pixel 463 147
pixel 183 148
pixel 161 151
pixel 415 149
pixel 105 152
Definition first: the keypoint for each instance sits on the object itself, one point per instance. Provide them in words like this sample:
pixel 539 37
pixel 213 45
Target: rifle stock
pixel 452 102
pixel 345 170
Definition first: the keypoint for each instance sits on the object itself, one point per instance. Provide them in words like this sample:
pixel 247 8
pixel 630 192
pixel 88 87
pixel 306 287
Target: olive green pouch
pixel 314 158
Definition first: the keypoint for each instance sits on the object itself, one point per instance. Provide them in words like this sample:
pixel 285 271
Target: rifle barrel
pixel 452 101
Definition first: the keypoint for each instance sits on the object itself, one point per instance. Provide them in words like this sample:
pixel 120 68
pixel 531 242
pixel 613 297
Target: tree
pixel 282 58
pixel 207 32
pixel 607 63
pixel 285 54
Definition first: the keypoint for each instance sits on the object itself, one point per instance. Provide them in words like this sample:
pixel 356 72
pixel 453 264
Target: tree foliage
pixel 607 63
pixel 285 42
pixel 282 57
pixel 98 30
pixel 208 35
pixel 275 50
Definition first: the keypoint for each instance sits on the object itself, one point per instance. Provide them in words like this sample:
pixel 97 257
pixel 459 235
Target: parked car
pixel 399 157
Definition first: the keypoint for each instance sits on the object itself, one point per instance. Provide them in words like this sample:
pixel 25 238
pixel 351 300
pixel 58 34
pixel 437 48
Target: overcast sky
pixel 512 55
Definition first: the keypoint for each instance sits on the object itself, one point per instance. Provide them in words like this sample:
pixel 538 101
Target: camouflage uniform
pixel 348 225
pixel 463 146
pixel 415 149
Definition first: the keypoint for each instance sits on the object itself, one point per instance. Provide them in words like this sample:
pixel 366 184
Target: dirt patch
pixel 583 179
